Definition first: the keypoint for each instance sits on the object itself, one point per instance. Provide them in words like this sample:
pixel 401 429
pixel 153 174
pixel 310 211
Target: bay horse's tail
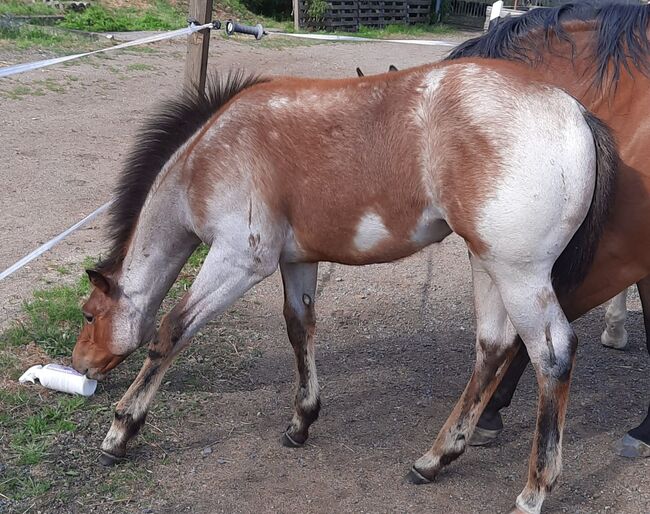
pixel 572 265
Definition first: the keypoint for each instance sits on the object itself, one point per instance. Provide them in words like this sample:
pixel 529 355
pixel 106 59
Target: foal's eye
pixel 89 317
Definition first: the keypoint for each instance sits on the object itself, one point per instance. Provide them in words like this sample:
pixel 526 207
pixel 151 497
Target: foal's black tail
pixel 572 265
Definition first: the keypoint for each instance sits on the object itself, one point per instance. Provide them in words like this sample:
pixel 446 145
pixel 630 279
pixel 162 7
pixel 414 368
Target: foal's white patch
pixel 370 231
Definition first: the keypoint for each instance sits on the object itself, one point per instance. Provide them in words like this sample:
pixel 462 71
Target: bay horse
pixel 290 172
pixel 601 56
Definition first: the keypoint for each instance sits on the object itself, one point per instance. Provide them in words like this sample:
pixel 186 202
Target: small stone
pixel 206 451
pixel 221 461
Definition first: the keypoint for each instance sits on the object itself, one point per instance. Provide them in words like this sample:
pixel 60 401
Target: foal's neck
pixel 160 245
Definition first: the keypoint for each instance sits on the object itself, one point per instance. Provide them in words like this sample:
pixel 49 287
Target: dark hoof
pixel 107 459
pixel 414 477
pixel 288 442
pixel 484 436
pixel 631 448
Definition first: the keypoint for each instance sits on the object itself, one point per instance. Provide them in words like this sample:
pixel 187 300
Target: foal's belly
pixel 369 239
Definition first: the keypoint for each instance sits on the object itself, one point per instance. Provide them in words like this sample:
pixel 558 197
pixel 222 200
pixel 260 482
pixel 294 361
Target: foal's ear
pixel 359 72
pixel 99 281
pixel 392 68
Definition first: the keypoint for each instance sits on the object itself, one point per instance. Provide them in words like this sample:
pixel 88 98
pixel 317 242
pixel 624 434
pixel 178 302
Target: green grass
pixel 140 67
pixel 30 438
pixel 21 8
pixel 159 16
pixel 399 31
pixel 52 319
pixel 189 271
pixel 25 37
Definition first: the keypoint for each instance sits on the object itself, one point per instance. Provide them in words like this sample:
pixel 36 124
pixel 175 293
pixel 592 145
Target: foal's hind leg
pixel 615 335
pixel 495 347
pixel 535 312
pixel 299 295
pixel 224 277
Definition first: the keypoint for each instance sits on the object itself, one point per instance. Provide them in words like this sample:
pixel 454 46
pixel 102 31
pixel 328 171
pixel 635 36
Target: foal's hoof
pixel 107 459
pixel 415 477
pixel 288 442
pixel 484 436
pixel 628 446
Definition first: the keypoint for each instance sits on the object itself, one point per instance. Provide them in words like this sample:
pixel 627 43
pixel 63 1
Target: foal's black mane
pixel 620 34
pixel 171 125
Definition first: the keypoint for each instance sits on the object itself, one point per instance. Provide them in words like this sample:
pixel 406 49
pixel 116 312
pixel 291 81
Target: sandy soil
pixel 395 341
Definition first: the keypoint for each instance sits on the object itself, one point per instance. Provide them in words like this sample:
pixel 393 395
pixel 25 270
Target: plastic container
pixel 60 378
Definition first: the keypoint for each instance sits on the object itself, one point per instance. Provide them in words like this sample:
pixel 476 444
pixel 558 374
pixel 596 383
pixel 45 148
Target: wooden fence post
pixel 198 43
pixel 296 15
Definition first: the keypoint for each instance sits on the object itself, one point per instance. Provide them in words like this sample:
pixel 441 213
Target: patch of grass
pixel 22 8
pixel 22 486
pixel 31 438
pixel 140 67
pixel 399 31
pixel 96 18
pixel 18 92
pixel 52 319
pixel 54 86
pixel 25 37
pixel 189 271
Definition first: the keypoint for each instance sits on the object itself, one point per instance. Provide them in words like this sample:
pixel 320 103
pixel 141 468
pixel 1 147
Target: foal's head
pixel 108 334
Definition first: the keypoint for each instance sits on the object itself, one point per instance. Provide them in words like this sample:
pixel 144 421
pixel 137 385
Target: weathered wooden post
pixel 296 15
pixel 198 43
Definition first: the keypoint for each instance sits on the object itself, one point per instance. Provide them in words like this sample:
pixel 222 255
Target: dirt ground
pixel 395 341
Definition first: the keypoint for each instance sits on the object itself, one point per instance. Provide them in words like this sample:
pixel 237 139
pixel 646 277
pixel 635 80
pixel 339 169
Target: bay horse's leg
pixel 299 295
pixel 490 424
pixel 615 335
pixel 224 277
pixel 643 286
pixel 495 348
pixel 636 443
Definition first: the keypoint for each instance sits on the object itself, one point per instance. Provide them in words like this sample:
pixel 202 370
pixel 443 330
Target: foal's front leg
pixel 299 295
pixel 224 277
pixel 495 348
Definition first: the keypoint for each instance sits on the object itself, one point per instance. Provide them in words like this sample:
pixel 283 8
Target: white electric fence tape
pixel 20 68
pixel 52 242
pixel 332 37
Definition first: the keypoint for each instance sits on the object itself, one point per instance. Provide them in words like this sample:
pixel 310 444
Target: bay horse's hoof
pixel 288 442
pixel 631 448
pixel 107 459
pixel 484 436
pixel 618 343
pixel 414 477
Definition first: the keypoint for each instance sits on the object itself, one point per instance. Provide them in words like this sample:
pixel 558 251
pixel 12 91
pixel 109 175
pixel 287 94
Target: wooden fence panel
pixel 351 14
